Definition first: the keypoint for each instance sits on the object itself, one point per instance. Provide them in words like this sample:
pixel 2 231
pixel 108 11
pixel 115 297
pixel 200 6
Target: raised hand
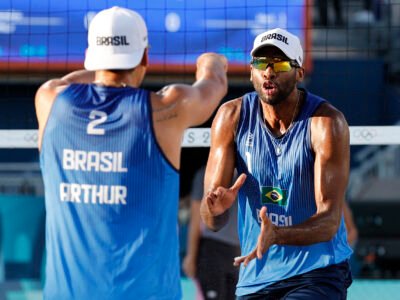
pixel 221 199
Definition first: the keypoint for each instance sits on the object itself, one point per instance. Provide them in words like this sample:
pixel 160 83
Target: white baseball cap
pixel 117 39
pixel 288 43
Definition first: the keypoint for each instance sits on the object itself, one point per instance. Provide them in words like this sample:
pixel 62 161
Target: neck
pixel 279 118
pixel 117 78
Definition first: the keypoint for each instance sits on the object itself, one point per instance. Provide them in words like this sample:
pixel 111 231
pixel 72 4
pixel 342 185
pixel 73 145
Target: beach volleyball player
pixel 291 149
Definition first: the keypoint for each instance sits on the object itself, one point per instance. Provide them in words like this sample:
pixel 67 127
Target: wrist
pixel 275 236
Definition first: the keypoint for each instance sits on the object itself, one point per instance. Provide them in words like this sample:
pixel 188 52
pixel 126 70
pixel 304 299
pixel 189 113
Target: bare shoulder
pixel 165 105
pixel 44 99
pixel 328 115
pixel 329 127
pixel 167 121
pixel 49 90
pixel 232 106
pixel 169 94
pixel 224 125
pixel 228 114
pixel 168 102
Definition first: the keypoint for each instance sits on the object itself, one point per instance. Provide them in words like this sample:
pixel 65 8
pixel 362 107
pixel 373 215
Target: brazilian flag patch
pixel 273 195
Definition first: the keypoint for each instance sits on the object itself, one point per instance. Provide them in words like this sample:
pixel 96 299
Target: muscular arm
pixel 194 104
pixel 330 142
pixel 220 166
pixel 179 106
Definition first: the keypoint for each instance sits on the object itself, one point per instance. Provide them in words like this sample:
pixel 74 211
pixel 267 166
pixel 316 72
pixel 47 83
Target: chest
pixel 269 158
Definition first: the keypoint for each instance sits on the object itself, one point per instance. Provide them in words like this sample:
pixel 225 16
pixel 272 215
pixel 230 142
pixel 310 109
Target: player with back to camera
pixel 110 155
pixel 291 149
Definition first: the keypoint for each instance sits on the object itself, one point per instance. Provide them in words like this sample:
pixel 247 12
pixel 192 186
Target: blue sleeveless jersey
pixel 111 199
pixel 281 177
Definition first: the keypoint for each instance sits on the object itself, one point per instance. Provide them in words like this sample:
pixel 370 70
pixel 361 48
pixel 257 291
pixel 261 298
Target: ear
pixel 145 58
pixel 300 74
pixel 251 73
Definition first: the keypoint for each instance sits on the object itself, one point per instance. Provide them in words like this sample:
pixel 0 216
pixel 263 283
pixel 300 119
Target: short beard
pixel 283 92
pixel 279 98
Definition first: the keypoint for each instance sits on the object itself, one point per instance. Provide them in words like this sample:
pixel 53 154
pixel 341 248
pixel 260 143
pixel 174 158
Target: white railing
pixel 374 161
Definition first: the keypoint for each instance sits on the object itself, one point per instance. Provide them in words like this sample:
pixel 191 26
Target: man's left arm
pixel 330 140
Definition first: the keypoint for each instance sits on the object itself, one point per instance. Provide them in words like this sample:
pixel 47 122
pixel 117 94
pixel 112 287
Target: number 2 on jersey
pixel 98 117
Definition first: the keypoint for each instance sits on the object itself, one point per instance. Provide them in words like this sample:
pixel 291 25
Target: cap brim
pixel 271 45
pixel 96 60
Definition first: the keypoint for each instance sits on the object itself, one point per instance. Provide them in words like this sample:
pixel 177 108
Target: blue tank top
pixel 111 199
pixel 281 177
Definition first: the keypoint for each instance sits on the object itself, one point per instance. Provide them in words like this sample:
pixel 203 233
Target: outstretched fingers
pixel 244 259
pixel 238 260
pixel 250 257
pixel 263 242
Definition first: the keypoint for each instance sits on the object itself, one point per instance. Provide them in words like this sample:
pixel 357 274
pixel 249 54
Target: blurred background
pixel 352 58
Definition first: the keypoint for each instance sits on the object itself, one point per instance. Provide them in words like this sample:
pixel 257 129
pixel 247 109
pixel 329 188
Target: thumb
pixel 238 183
pixel 263 214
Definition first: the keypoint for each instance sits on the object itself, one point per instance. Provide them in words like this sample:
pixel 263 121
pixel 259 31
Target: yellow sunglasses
pixel 262 63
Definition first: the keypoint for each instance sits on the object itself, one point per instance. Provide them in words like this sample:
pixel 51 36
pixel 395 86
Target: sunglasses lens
pixel 262 64
pixel 282 66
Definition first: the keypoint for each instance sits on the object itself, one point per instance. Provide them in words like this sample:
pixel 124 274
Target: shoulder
pixel 167 95
pixel 44 99
pixel 326 114
pixel 329 126
pixel 49 90
pixel 230 110
pixel 173 98
pixel 175 92
pixel 227 118
pixel 56 84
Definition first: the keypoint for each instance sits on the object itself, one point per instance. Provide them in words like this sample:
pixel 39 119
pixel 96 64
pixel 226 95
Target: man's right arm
pixel 218 195
pixel 179 106
pixel 194 104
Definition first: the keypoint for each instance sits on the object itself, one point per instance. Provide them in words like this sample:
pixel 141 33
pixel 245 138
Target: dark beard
pixel 279 98
pixel 283 92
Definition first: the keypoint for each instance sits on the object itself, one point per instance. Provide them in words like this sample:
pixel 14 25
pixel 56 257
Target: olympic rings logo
pixel 365 134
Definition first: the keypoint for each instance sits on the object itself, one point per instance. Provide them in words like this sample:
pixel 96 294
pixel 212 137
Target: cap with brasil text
pixel 288 43
pixel 117 39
